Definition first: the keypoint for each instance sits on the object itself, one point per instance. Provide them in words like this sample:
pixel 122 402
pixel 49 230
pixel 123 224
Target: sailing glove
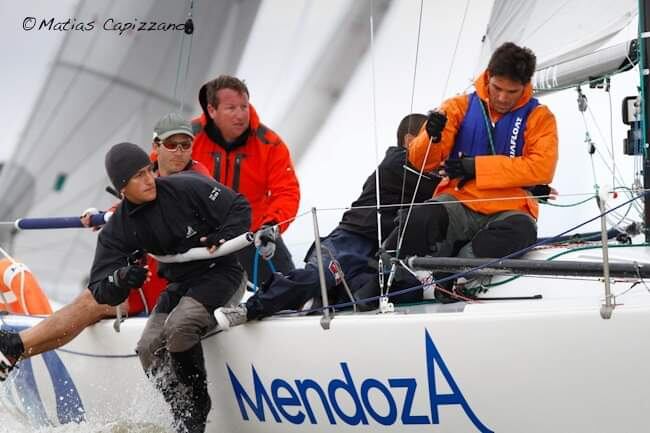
pixel 463 169
pixel 130 277
pixel 265 241
pixel 436 122
pixel 541 192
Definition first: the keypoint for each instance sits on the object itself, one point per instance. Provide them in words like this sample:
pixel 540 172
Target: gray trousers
pixel 179 330
pixel 172 356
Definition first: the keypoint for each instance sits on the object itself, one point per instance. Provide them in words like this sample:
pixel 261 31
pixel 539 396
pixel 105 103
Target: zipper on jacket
pixel 225 177
pixel 236 172
pixel 217 167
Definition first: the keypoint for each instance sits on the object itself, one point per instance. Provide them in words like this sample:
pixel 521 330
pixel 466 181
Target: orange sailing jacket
pixel 261 169
pixel 500 180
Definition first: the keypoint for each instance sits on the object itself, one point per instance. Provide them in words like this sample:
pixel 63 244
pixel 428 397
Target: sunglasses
pixel 174 145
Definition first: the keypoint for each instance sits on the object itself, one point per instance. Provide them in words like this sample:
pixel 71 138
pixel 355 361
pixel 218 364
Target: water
pixel 146 413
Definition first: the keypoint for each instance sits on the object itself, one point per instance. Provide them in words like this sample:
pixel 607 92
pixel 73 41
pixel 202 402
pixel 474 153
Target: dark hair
pixel 513 62
pixel 224 82
pixel 410 124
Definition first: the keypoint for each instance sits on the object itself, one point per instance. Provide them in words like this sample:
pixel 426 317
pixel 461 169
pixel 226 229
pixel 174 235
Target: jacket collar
pixel 481 86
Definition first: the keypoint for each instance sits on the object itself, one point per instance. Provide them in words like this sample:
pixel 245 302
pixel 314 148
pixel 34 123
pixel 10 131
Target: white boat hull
pixel 533 367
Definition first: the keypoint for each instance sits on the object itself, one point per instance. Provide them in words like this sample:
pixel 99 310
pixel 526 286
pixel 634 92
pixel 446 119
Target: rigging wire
pixel 472 270
pixel 98 100
pixel 376 141
pixel 405 166
pixel 189 30
pixel 402 230
pixel 415 71
pixel 453 56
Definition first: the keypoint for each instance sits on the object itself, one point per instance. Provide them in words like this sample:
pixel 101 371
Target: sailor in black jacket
pixel 348 248
pixel 168 216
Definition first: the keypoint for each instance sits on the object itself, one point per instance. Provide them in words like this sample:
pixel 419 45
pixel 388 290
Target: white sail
pixel 104 88
pixel 534 364
pixel 556 30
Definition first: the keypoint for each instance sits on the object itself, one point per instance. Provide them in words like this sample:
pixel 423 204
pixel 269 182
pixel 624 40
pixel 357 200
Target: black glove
pixel 463 168
pixel 436 122
pixel 541 190
pixel 265 241
pixel 130 277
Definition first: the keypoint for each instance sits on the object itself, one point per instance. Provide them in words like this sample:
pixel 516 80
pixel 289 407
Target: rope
pixel 578 203
pixel 469 271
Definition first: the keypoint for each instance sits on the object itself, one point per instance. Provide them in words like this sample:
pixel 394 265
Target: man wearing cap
pixel 172 146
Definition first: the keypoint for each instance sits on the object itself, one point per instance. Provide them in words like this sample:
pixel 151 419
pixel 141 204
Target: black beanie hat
pixel 124 160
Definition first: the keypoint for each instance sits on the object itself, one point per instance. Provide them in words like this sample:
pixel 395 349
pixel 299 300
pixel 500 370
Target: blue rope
pixel 256 266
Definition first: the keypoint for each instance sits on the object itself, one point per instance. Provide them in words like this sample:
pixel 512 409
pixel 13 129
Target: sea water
pixel 147 413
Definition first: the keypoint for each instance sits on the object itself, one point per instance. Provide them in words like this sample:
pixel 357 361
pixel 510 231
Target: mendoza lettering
pixel 294 401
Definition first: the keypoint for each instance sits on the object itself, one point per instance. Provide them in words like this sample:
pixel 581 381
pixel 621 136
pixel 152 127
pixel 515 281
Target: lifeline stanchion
pixel 326 319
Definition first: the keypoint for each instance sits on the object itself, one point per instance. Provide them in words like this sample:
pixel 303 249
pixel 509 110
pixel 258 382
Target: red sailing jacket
pixel 261 169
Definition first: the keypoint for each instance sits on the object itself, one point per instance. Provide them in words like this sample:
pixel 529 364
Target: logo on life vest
pixel 513 137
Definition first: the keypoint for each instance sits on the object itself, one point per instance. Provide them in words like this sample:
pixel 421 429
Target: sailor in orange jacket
pixel 249 157
pixel 490 146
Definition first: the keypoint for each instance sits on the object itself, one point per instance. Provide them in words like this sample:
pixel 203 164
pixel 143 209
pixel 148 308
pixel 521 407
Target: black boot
pixel 11 350
pixel 368 290
pixel 191 411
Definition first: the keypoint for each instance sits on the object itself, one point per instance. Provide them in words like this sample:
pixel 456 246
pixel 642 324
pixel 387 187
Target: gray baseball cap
pixel 170 124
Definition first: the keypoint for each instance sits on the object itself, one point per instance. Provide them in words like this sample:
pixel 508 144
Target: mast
pixel 644 27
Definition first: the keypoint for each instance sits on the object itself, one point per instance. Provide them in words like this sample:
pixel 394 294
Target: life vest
pixel 507 134
pixel 21 293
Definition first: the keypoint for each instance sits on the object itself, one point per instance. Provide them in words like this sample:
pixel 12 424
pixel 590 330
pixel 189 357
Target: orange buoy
pixel 21 293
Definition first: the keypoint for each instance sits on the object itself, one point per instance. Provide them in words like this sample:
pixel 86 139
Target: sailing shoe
pixel 227 317
pixel 11 349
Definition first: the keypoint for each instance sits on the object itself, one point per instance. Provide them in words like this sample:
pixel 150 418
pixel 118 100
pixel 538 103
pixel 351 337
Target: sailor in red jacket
pixel 247 156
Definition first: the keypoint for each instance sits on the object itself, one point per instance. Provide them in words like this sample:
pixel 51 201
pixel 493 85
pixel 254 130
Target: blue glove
pixel 463 168
pixel 436 122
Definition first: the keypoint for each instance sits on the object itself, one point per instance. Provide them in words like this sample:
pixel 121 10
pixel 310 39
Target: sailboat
pixel 554 342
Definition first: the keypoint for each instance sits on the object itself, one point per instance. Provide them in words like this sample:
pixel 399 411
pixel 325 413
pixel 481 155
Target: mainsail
pixel 103 88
